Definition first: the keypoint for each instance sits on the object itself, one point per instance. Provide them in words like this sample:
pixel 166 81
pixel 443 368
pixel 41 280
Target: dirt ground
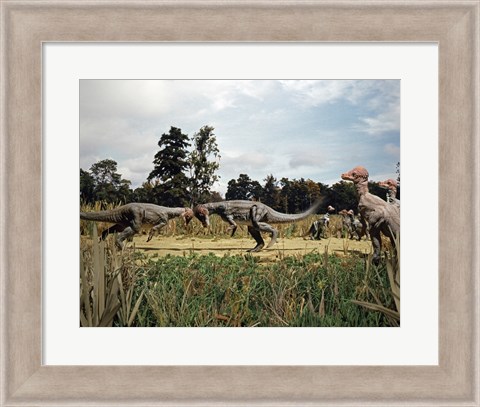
pixel 184 245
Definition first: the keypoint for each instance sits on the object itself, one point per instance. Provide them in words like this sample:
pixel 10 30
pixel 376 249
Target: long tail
pixel 278 217
pixel 113 216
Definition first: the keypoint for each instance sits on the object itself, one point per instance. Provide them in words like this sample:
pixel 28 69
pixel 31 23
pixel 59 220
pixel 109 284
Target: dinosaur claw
pixel 271 243
pixel 257 248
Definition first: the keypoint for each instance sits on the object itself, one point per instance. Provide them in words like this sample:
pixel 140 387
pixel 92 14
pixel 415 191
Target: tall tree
pixel 204 162
pixel 243 188
pixel 170 165
pixel 271 192
pixel 108 184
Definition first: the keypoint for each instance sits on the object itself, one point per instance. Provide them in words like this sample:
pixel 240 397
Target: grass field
pixel 205 278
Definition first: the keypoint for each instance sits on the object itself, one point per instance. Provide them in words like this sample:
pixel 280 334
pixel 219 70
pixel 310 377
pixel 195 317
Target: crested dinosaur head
pixel 201 213
pixel 358 174
pixel 390 184
pixel 188 216
pixel 343 212
pixel 330 208
pixel 350 212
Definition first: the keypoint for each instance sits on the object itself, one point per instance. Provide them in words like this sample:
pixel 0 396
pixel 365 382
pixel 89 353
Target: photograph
pixel 239 203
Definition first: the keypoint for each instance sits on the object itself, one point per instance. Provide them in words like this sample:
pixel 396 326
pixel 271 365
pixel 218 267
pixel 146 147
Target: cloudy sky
pixel 295 129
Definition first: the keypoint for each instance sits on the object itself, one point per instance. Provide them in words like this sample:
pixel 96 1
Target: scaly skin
pixel 129 219
pixel 256 215
pixel 380 215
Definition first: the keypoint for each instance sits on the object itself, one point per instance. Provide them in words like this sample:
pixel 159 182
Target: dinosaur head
pixel 188 216
pixel 350 212
pixel 201 213
pixel 390 184
pixel 330 208
pixel 358 174
pixel 343 212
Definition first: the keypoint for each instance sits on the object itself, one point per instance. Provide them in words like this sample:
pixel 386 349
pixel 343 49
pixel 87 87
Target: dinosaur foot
pixel 271 243
pixel 257 248
pixel 233 229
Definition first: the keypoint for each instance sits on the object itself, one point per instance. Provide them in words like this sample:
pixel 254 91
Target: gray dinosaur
pixel 319 226
pixel 381 216
pixel 256 215
pixel 391 186
pixel 352 225
pixel 129 219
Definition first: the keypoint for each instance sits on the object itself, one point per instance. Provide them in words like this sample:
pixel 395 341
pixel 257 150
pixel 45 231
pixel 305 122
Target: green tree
pixel 271 192
pixel 144 193
pixel 243 188
pixel 108 184
pixel 375 189
pixel 87 187
pixel 204 162
pixel 342 195
pixel 170 165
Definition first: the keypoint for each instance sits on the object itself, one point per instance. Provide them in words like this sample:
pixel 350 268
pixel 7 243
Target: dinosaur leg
pixel 313 231
pixel 155 229
pixel 258 238
pixel 112 229
pixel 233 225
pixel 364 230
pixel 377 244
pixel 265 227
pixel 128 232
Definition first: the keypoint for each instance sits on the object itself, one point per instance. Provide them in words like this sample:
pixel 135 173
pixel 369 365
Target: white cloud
pixel 306 158
pixel 392 150
pixel 383 122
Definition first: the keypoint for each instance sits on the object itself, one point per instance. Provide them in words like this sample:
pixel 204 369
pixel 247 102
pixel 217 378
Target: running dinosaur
pixel 129 219
pixel 256 215
pixel 381 216
pixel 391 186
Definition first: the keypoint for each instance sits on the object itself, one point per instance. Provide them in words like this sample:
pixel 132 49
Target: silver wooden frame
pixel 25 25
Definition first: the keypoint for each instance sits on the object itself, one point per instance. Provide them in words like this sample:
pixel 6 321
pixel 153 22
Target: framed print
pixel 29 28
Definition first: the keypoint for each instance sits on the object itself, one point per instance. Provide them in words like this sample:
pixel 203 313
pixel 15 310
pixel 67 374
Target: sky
pixel 311 129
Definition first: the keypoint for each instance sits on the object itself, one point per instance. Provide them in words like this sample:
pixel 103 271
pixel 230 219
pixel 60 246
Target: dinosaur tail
pixel 102 216
pixel 278 217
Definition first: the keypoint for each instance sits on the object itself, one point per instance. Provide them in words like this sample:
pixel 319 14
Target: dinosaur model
pixel 359 227
pixel 256 215
pixel 352 225
pixel 129 219
pixel 347 222
pixel 319 226
pixel 381 216
pixel 391 186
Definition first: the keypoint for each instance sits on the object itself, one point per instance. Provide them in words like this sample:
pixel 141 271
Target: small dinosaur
pixel 129 219
pixel 359 226
pixel 352 225
pixel 381 216
pixel 391 186
pixel 317 230
pixel 256 215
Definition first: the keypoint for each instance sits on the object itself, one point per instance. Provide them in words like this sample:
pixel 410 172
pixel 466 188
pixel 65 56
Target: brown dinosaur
pixel 129 219
pixel 381 216
pixel 391 186
pixel 256 215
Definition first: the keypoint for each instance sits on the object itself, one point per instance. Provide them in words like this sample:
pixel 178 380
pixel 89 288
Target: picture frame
pixel 26 25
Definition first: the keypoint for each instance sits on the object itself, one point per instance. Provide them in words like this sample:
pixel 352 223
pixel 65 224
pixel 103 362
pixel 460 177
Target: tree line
pixel 183 176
